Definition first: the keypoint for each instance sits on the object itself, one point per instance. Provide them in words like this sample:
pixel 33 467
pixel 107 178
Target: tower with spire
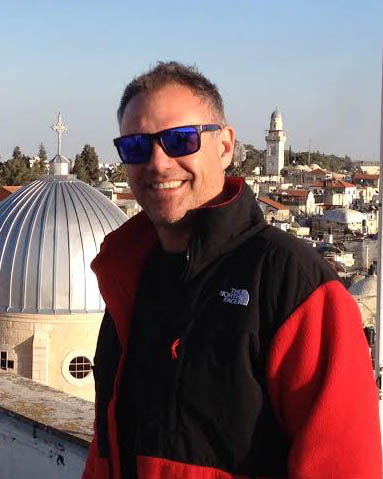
pixel 275 145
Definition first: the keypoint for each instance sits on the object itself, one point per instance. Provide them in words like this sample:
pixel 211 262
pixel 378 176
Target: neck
pixel 174 238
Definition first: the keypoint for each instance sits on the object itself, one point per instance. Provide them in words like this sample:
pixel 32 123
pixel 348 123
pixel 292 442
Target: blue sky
pixel 319 62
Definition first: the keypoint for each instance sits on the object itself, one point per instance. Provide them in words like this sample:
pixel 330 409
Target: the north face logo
pixel 235 296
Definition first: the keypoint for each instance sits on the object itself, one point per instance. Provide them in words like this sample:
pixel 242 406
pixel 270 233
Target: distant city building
pixel 275 145
pixel 252 181
pixel 366 179
pixel 300 202
pixel 343 220
pixel 106 170
pixel 294 174
pixel 121 197
pixel 121 186
pixel 273 209
pixel 339 193
pixel 364 292
pixel 108 189
pixel 370 167
pixel 35 159
pixel 317 174
pixel 366 196
pixel 239 154
pixel 111 166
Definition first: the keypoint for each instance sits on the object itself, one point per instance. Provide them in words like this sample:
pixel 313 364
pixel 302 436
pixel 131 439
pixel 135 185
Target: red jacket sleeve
pixel 95 466
pixel 323 390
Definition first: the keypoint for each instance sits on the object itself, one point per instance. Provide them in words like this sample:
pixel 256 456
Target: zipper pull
pixel 173 349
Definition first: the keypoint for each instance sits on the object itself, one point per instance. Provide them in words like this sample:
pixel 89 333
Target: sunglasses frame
pixel 158 136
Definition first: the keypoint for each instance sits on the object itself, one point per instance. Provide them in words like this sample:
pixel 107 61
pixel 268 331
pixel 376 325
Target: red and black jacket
pixel 268 372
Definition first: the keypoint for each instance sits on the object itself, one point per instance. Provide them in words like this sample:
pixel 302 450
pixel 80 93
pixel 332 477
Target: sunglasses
pixel 178 141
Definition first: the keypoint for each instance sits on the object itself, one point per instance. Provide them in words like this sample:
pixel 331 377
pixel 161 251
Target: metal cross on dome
pixel 59 128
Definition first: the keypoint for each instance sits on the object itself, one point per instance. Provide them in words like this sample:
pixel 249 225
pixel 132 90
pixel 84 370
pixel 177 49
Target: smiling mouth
pixel 168 185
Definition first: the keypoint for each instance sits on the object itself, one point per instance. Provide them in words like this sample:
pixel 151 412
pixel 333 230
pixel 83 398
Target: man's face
pixel 168 188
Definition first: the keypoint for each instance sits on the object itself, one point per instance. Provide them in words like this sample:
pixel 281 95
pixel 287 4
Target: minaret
pixel 275 145
pixel 59 165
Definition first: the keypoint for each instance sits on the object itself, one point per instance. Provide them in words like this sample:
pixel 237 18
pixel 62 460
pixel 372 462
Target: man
pixel 228 349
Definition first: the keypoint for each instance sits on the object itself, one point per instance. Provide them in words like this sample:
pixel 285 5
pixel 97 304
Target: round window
pixel 77 367
pixel 80 367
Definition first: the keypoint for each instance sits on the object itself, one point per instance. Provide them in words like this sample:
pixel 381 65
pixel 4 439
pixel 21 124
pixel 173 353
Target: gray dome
pixel 106 185
pixel 344 216
pixel 50 230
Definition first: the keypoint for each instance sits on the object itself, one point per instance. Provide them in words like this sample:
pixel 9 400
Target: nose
pixel 159 160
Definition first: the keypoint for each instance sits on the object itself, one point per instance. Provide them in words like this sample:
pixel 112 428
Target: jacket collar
pixel 219 229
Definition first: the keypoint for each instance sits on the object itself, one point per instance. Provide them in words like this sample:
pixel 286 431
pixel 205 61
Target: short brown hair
pixel 166 73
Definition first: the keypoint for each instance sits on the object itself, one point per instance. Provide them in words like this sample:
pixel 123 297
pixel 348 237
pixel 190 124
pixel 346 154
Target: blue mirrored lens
pixel 180 141
pixel 135 149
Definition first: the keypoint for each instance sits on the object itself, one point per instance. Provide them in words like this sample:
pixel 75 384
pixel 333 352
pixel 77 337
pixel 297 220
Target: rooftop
pixel 340 184
pixel 272 203
pixel 296 193
pixel 125 195
pixel 11 189
pixel 365 176
pixel 318 171
pixel 344 216
pixel 47 408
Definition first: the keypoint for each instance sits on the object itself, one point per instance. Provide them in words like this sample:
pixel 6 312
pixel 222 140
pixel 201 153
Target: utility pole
pixel 379 328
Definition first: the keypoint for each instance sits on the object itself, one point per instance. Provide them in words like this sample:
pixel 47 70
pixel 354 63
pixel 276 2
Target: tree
pixel 17 154
pixel 120 174
pixel 27 160
pixel 38 169
pixel 79 169
pixel 88 161
pixel 42 154
pixel 15 171
pixel 42 163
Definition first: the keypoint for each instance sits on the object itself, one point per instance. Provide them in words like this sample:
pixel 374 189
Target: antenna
pixel 309 151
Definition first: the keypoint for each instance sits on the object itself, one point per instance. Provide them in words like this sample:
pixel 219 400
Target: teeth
pixel 164 186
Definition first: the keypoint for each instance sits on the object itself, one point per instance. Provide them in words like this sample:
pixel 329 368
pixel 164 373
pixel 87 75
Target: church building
pixel 50 305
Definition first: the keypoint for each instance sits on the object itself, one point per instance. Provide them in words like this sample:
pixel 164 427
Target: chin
pixel 165 220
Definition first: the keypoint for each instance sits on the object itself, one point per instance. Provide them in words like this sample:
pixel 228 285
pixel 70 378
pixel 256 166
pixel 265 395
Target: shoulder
pixel 288 271
pixel 286 254
pixel 139 224
pixel 135 235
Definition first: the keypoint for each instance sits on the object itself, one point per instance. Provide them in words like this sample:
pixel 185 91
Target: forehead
pixel 169 106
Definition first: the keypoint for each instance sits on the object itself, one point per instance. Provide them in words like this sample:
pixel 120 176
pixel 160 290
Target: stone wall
pixel 44 433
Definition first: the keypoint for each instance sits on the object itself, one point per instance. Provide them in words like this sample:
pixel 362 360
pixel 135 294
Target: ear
pixel 226 145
